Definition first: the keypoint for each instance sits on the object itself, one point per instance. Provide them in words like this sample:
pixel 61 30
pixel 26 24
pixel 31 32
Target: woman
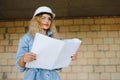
pixel 40 23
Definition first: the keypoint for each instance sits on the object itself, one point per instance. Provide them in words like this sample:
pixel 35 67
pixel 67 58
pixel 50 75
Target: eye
pixel 49 19
pixel 45 18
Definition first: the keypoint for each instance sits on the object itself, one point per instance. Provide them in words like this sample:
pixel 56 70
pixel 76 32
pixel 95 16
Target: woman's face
pixel 46 21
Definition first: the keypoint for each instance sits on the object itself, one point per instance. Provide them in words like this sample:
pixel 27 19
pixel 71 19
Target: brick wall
pixel 98 56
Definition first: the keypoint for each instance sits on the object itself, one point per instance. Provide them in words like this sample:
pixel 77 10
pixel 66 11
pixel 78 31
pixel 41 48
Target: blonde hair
pixel 36 27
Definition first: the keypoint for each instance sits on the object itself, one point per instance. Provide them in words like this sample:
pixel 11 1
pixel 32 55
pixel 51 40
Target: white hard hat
pixel 44 9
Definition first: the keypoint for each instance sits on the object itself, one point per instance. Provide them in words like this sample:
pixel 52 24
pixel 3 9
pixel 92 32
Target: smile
pixel 46 24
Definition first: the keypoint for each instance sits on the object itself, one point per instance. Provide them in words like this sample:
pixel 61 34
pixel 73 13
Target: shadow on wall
pixel 4 76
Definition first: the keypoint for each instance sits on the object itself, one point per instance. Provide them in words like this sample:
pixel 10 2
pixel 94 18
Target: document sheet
pixel 52 53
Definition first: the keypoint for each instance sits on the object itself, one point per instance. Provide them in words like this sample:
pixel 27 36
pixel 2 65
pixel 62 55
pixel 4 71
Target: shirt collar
pixel 49 33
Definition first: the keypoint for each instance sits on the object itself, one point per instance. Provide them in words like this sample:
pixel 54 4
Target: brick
pixel 11 61
pixel 99 69
pixel 99 55
pixel 72 76
pixel 83 48
pixel 1 36
pixel 109 21
pixel 114 47
pixel 103 47
pixel 88 21
pixel 68 22
pixel 13 69
pixel 92 61
pixel 118 68
pixel 102 34
pixel 73 63
pixel 117 20
pixel 110 68
pixel 92 35
pixel 112 34
pixel 11 48
pixel 115 27
pixel 11 76
pixel 87 41
pixel 14 36
pixel 6 69
pixel 26 23
pixel 4 42
pixel 82 61
pixel 7 36
pixel 115 76
pixel 20 30
pixel 87 69
pixel 3 62
pixel 81 34
pixel 71 35
pixel 58 22
pixel 2 30
pixel 84 28
pixel 6 56
pixel 114 61
pixel 97 41
pixel 2 24
pixel 62 35
pixel 1 74
pixel 108 41
pixel 9 24
pixel 15 42
pixel 77 69
pixel 92 48
pixel 118 33
pixel 0 69
pixel 105 27
pixel 89 54
pixel 67 69
pixel 18 23
pixel 99 21
pixel 2 49
pixel 94 76
pixel 78 21
pixel 80 55
pixel 11 30
pixel 95 27
pixel 83 76
pixel 117 40
pixel 74 28
pixel 105 76
pixel 118 54
pixel 104 61
pixel 110 54
pixel 13 55
pixel 64 29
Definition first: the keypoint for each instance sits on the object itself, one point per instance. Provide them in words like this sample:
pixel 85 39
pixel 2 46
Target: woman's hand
pixel 28 57
pixel 74 57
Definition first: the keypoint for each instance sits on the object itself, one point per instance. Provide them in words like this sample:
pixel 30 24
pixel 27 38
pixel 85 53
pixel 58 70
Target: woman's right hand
pixel 28 57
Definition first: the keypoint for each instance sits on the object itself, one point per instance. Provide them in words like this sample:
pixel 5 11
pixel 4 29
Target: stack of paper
pixel 52 53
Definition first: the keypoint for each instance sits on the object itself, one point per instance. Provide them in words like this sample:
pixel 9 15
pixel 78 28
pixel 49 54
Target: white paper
pixel 52 53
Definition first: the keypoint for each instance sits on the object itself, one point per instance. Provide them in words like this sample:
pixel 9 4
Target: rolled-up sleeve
pixel 22 48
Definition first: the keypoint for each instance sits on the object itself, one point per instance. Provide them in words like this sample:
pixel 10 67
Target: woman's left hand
pixel 74 57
